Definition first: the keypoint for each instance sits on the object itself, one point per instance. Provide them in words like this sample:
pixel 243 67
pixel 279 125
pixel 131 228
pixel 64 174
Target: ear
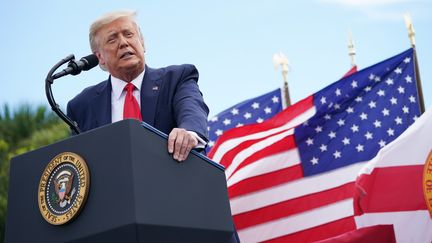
pixel 100 57
pixel 141 39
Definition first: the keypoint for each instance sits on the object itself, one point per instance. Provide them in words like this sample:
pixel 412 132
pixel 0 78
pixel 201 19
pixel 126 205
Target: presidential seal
pixel 427 182
pixel 63 188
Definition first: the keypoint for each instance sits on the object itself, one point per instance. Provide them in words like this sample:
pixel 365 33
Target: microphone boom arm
pixel 54 106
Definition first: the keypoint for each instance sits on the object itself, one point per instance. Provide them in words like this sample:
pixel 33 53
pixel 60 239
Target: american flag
pixel 254 110
pixel 291 178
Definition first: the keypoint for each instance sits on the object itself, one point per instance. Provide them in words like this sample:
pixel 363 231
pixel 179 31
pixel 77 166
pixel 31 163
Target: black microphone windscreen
pixel 90 61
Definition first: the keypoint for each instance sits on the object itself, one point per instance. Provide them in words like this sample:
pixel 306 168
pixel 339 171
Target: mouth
pixel 126 55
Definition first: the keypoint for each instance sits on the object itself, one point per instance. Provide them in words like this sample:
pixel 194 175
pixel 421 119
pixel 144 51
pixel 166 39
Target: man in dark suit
pixel 168 98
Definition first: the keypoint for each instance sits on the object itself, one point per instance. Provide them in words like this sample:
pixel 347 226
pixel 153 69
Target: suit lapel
pixel 101 105
pixel 150 89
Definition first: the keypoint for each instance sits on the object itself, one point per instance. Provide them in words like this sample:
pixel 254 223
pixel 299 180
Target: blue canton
pixel 359 114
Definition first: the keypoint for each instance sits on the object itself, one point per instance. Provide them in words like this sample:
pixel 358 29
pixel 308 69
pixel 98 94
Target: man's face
pixel 121 48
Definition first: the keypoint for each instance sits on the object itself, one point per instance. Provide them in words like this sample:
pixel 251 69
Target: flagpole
pixel 282 60
pixel 411 35
pixel 351 49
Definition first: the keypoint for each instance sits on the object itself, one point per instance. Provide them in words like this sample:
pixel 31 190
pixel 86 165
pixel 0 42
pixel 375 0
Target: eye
pixel 111 40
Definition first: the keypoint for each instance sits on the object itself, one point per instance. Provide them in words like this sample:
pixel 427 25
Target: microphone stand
pixel 54 106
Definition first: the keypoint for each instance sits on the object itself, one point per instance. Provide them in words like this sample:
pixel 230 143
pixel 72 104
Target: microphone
pixel 75 67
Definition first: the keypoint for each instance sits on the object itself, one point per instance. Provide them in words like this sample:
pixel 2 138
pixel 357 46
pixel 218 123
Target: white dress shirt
pixel 118 95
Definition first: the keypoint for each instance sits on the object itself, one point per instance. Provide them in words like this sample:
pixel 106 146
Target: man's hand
pixel 180 143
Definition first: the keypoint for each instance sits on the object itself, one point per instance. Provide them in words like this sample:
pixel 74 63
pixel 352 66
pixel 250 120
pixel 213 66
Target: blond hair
pixel 106 19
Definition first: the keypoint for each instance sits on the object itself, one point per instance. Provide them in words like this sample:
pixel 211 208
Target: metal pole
pixel 411 36
pixel 279 59
pixel 351 49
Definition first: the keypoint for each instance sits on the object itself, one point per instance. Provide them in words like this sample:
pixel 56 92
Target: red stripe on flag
pixel 318 233
pixel 265 181
pixel 294 206
pixel 351 71
pixel 285 144
pixel 278 120
pixel 228 157
pixel 388 189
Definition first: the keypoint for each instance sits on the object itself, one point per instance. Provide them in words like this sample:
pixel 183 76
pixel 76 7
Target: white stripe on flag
pixel 265 165
pixel 298 222
pixel 232 143
pixel 290 190
pixel 245 153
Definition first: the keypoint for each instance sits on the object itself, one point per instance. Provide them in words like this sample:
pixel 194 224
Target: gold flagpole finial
pixel 351 49
pixel 279 59
pixel 410 28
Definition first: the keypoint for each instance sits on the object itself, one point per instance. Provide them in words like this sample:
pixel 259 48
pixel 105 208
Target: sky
pixel 230 42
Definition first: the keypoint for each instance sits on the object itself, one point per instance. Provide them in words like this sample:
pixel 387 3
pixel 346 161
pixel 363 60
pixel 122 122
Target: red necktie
pixel 131 108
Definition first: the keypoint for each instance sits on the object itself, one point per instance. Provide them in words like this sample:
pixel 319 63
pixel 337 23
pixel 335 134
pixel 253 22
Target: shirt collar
pixel 118 84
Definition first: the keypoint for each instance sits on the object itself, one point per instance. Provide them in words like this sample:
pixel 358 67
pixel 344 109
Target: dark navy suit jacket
pixel 170 98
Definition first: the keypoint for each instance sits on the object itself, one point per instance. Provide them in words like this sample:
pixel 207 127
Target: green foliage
pixel 23 130
pixel 4 176
pixel 23 122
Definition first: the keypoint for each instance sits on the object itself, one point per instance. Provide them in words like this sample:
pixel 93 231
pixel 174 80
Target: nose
pixel 123 42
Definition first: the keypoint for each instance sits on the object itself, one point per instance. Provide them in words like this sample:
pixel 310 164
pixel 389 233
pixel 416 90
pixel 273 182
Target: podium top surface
pixel 205 158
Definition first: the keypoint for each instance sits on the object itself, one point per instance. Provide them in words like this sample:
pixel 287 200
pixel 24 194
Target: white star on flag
pixel 227 122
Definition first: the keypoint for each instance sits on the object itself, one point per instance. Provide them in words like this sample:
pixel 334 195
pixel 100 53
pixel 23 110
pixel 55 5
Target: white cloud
pixel 382 10
pixel 386 16
pixel 363 3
